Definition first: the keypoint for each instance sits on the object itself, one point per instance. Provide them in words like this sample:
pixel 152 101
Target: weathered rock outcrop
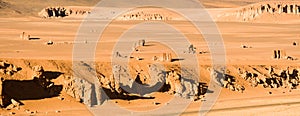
pixel 121 85
pixel 37 71
pixel 184 87
pixel 82 86
pixel 8 69
pixel 160 81
pixel 62 12
pixel 145 16
pixel 254 11
pixel 82 90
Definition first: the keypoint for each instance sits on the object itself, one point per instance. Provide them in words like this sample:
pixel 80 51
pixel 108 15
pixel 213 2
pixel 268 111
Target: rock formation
pixel 180 86
pixel 70 87
pixel 191 49
pixel 25 36
pixel 167 57
pixel 37 71
pixel 50 42
pixel 228 81
pixel 145 16
pixel 253 11
pixel 8 69
pixel 121 83
pixel 62 12
pixel 82 90
pixel 141 42
pixel 1 93
pixel 137 44
pixel 286 78
pixel 279 54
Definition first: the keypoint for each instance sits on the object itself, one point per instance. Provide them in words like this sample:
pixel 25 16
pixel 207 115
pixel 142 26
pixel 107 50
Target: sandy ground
pixel 263 38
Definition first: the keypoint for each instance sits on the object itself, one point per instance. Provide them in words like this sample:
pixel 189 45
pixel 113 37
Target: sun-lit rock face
pixel 254 11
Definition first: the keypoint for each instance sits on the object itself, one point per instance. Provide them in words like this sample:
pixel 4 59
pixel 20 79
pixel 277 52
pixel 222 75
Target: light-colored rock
pixel 37 71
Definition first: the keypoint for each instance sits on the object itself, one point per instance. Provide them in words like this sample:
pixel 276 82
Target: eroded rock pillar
pixel 280 8
pixel 297 9
pixel 294 8
pixel 288 9
pixel 1 89
pixel 259 10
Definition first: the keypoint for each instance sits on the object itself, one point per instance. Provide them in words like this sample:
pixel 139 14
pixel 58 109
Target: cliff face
pixel 254 11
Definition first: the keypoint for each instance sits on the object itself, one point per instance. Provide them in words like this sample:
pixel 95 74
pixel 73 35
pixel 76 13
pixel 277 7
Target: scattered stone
pixel 10 106
pixel 15 103
pixel 145 16
pixel 245 46
pixel 117 54
pixel 27 111
pixel 203 52
pixel 290 58
pixel 33 112
pixel 231 87
pixel 138 58
pixel 156 103
pixel 270 92
pixel 240 88
pixel 191 49
pixel 12 113
pixel 30 112
pixel 58 111
pixel 295 44
pixel 50 42
pixel 155 58
pixel 61 98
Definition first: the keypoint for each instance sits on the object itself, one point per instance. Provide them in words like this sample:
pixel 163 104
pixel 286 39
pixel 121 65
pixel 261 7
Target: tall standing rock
pixel 37 71
pixel 280 8
pixel 1 93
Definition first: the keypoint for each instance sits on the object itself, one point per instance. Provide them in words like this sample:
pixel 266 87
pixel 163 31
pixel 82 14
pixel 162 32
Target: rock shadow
pixel 52 74
pixel 29 90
